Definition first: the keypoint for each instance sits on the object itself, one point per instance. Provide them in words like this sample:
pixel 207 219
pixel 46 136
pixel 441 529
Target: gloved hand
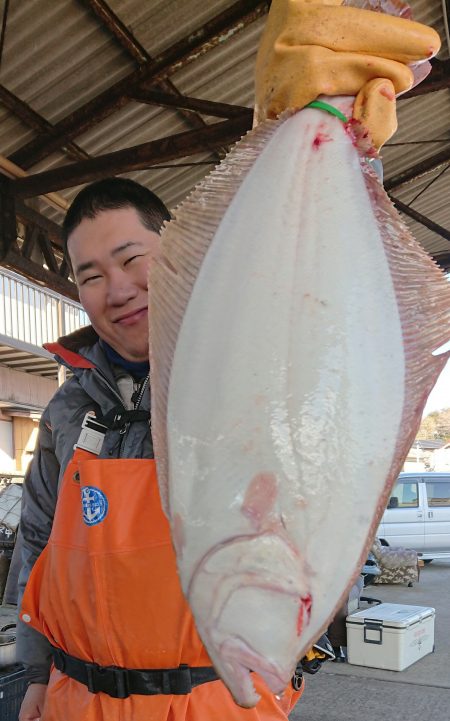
pixel 318 47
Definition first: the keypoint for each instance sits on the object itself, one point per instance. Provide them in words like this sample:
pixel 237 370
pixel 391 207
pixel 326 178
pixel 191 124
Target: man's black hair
pixel 112 194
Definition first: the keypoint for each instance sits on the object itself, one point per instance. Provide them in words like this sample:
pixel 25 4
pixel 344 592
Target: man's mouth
pixel 132 317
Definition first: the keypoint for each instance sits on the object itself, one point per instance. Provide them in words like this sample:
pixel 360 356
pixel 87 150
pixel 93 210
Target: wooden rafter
pixel 35 121
pixel 226 24
pixel 137 158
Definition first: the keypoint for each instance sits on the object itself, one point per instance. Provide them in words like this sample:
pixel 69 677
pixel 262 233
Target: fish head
pixel 258 578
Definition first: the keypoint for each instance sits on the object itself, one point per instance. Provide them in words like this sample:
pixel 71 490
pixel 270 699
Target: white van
pixel 418 514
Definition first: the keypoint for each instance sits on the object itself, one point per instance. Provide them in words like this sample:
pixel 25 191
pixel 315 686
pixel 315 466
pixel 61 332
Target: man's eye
pixel 133 257
pixel 89 279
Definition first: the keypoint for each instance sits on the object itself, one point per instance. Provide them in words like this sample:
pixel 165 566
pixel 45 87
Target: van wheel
pixel 427 561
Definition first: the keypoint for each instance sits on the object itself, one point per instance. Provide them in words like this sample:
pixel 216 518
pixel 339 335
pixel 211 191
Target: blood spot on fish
pixel 319 139
pixel 260 498
pixel 304 612
pixel 178 534
pixel 360 137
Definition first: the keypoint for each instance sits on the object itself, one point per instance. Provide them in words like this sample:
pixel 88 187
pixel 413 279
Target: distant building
pixel 441 459
pixel 29 317
pixel 421 456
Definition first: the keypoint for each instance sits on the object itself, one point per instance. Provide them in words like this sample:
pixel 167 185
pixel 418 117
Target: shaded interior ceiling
pixel 158 91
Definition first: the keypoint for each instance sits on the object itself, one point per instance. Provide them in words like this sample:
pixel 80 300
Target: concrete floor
pixel 344 692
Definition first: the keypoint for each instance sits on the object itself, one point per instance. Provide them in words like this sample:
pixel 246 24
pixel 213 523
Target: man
pixel 111 234
pixel 103 595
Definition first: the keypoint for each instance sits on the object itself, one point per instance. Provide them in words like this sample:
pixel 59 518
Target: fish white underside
pixel 289 361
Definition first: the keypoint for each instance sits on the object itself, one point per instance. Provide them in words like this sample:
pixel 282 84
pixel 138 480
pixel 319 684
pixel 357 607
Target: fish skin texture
pixel 293 320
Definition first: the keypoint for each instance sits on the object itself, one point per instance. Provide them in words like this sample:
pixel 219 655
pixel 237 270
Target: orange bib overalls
pixel 106 590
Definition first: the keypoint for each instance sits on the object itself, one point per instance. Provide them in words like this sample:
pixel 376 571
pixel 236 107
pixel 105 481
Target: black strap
pixel 118 418
pixel 297 678
pixel 123 682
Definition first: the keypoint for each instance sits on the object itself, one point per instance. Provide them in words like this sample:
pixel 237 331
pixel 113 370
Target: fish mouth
pixel 240 660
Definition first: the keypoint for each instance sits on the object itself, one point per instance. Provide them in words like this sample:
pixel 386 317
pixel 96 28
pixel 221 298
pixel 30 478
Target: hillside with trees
pixel 435 426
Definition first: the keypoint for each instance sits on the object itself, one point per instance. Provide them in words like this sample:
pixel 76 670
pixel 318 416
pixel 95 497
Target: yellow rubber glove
pixel 318 47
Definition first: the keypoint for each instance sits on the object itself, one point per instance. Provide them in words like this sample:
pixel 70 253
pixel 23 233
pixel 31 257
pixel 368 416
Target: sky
pixel 440 395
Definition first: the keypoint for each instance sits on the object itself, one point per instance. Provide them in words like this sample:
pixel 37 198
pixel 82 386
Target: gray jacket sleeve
pixel 38 508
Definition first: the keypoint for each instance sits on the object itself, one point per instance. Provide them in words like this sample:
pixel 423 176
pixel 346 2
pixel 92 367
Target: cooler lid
pixel 392 614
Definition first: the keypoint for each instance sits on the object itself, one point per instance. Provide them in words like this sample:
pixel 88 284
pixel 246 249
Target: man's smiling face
pixel 111 255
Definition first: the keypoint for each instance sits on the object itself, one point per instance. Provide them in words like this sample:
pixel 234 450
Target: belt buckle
pixel 297 680
pixel 111 680
pixel 90 677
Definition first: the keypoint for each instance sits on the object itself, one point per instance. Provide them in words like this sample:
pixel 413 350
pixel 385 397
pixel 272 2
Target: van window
pixel 438 493
pixel 407 495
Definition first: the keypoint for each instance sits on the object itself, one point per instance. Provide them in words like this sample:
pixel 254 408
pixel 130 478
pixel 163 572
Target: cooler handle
pixel 374 626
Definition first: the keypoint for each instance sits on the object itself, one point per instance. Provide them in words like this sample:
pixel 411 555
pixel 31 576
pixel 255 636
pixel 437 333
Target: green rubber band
pixel 328 108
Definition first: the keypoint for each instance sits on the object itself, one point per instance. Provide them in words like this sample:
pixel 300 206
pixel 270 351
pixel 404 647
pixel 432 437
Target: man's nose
pixel 121 289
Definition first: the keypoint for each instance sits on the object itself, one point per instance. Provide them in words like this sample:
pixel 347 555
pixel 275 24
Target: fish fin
pixel 423 297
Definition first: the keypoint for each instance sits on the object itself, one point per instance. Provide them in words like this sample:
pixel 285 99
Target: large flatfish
pixel 293 324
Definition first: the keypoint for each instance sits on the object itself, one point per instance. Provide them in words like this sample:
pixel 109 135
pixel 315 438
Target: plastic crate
pixel 12 690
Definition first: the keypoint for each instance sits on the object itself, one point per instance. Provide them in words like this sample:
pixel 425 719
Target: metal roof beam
pixel 207 107
pixel 35 121
pixel 221 27
pixel 420 218
pixel 416 171
pixel 7 217
pixel 123 35
pixel 139 157
pixel 30 216
pixel 120 31
pixel 35 272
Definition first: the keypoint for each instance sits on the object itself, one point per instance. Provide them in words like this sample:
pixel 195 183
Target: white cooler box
pixel 390 635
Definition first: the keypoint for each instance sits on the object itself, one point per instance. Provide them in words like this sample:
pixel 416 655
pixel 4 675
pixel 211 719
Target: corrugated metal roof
pixel 57 56
pixel 160 23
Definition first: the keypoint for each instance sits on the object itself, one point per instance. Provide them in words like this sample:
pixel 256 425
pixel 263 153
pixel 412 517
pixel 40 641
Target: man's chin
pixel 135 353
